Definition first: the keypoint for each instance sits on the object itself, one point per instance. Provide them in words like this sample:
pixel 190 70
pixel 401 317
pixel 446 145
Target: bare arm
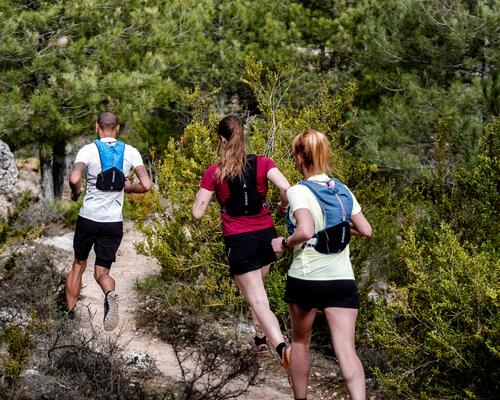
pixel 280 181
pixel 201 203
pixel 360 225
pixel 144 184
pixel 303 232
pixel 75 177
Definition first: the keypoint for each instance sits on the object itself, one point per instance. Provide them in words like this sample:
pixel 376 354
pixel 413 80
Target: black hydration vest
pixel 244 198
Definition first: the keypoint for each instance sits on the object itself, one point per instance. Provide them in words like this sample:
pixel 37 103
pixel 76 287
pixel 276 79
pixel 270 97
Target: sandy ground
pixel 128 269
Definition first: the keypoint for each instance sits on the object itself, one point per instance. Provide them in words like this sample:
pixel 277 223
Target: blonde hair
pixel 313 148
pixel 232 153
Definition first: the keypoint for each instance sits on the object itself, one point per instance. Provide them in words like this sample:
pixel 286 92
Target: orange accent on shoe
pixel 285 357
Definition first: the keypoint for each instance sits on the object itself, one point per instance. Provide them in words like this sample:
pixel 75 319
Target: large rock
pixel 29 176
pixel 9 188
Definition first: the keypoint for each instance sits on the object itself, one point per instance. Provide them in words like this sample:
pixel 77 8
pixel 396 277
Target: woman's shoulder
pixel 299 196
pixel 262 158
pixel 212 168
pixel 209 174
pixel 265 163
pixel 298 190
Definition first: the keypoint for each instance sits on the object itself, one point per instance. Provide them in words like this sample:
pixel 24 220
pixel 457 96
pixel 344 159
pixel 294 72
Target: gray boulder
pixel 9 187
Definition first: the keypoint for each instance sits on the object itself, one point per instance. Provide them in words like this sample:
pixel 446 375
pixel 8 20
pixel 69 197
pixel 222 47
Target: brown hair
pixel 107 120
pixel 232 153
pixel 313 148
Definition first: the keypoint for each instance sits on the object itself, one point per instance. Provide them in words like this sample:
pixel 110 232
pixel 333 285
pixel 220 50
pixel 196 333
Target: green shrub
pixel 191 253
pixel 69 211
pixel 441 330
pixel 19 344
pixel 30 280
pixel 440 326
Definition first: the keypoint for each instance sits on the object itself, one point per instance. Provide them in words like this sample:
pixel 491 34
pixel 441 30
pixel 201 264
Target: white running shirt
pixel 97 205
pixel 308 264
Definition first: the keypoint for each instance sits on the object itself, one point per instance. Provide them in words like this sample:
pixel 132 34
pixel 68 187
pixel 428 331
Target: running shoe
pixel 70 314
pixel 111 316
pixel 260 349
pixel 285 357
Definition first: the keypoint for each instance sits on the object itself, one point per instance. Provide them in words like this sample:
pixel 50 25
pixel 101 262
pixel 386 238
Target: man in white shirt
pixel 100 222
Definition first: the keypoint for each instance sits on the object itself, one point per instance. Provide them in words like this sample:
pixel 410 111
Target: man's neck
pixel 107 136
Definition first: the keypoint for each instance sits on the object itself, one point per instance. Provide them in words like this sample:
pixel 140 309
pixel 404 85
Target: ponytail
pixel 232 153
pixel 313 148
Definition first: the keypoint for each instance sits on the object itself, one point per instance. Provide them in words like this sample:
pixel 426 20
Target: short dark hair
pixel 107 120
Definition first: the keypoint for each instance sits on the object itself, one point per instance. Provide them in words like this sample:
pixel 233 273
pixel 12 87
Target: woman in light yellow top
pixel 316 280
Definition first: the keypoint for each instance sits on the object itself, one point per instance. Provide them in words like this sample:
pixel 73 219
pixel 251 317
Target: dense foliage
pixel 440 327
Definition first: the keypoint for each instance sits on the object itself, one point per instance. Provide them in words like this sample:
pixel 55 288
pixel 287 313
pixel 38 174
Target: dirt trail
pixel 128 269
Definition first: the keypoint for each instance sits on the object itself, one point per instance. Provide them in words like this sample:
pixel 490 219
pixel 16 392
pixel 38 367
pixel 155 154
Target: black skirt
pixel 322 294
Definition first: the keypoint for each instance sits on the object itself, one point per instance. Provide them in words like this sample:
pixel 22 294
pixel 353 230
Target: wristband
pixel 285 245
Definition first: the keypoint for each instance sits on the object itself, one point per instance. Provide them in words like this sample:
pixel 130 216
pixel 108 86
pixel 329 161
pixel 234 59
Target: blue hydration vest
pixel 336 202
pixel 111 178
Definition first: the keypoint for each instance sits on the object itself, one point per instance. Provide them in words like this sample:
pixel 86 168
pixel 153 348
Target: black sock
pixel 280 348
pixel 260 340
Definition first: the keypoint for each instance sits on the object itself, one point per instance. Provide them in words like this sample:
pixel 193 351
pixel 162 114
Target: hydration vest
pixel 111 178
pixel 336 203
pixel 243 196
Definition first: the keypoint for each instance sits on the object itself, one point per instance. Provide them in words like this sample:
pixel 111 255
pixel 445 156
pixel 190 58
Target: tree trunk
pixel 59 168
pixel 46 172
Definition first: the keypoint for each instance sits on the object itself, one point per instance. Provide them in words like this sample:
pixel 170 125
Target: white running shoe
pixel 111 316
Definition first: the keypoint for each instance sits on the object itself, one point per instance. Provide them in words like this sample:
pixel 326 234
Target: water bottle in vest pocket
pixel 111 178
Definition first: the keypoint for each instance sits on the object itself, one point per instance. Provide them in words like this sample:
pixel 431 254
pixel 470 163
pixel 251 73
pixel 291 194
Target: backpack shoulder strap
pixel 314 190
pixel 119 147
pixel 252 162
pixel 249 175
pixel 341 188
pixel 97 143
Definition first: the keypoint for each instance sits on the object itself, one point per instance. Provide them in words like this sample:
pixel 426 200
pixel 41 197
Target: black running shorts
pixel 322 294
pixel 104 236
pixel 249 251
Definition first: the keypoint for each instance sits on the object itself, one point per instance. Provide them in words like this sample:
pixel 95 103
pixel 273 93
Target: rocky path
pixel 130 268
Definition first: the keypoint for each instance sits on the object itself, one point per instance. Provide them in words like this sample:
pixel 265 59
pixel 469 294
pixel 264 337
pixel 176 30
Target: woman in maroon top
pixel 247 238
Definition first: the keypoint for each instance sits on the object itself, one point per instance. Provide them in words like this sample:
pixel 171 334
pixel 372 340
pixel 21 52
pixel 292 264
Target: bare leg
pixel 300 361
pixel 341 322
pixel 258 328
pixel 101 275
pixel 74 282
pixel 252 288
